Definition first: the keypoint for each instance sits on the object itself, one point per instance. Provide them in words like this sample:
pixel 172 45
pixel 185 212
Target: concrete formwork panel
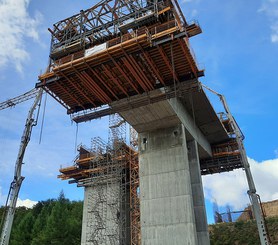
pixel 166 202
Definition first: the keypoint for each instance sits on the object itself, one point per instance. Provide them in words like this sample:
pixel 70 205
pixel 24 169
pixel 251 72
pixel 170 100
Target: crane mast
pixel 254 197
pixel 31 121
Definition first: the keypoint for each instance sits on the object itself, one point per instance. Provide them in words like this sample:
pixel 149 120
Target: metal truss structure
pixel 121 55
pixel 104 21
pixel 237 148
pixel 112 171
pixel 19 99
pixel 117 138
pixel 118 49
pixel 15 186
pixel 135 228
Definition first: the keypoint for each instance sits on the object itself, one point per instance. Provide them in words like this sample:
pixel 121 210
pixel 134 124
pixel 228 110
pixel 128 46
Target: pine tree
pixel 22 232
pixel 55 221
pixel 41 212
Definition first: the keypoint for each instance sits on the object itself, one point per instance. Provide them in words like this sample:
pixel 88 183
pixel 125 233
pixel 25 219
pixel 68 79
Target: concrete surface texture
pixel 198 194
pixel 166 201
pixel 101 209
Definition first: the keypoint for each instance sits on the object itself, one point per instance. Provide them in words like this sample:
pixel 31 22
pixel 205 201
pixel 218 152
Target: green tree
pixel 54 221
pixel 63 225
pixel 41 212
pixel 75 222
pixel 22 232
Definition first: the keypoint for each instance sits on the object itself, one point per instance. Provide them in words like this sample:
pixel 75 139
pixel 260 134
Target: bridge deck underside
pixel 225 157
pixel 226 163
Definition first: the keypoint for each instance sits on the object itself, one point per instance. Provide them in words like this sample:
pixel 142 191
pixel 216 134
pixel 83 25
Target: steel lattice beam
pixel 19 99
pixel 104 21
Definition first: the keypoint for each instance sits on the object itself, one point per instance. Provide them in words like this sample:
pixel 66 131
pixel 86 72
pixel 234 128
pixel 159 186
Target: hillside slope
pixel 242 232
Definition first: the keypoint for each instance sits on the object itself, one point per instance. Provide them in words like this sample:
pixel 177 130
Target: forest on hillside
pixel 58 221
pixel 54 221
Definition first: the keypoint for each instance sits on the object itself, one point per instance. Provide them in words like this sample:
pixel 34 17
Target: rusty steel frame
pixel 167 62
pixel 135 57
pixel 136 60
pixel 103 161
pixel 143 70
pixel 99 23
pixel 135 227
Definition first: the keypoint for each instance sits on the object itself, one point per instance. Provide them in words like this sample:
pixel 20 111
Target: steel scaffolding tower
pixel 112 186
pixel 117 138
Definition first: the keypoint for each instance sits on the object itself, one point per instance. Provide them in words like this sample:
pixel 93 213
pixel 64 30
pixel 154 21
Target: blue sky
pixel 238 49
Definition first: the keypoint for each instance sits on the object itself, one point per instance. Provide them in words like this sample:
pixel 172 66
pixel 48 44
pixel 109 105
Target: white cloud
pixel 15 26
pixel 270 8
pixel 26 203
pixel 226 188
pixel 266 178
pixel 20 203
pixel 231 188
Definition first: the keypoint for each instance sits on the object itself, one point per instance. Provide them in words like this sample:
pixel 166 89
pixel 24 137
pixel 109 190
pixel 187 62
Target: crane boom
pixel 17 181
pixel 254 197
pixel 21 98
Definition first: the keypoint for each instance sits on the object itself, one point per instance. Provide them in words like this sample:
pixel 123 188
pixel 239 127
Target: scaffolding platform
pixel 143 49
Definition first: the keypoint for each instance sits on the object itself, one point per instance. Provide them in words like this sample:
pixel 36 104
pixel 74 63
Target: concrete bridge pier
pixel 172 203
pixel 166 200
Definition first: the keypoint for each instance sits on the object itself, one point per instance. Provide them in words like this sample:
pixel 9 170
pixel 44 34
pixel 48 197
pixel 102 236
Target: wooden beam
pixel 167 62
pixel 110 74
pixel 123 74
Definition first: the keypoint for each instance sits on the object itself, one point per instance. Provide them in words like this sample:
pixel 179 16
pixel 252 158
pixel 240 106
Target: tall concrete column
pixel 198 194
pixel 166 203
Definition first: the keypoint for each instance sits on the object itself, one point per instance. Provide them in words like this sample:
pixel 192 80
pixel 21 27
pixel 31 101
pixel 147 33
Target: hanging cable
pixel 76 134
pixel 43 115
pixel 192 108
pixel 173 69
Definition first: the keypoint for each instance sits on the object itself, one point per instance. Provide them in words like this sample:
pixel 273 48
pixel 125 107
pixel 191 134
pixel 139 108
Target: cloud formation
pixel 26 203
pixel 270 8
pixel 231 188
pixel 16 24
pixel 20 203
